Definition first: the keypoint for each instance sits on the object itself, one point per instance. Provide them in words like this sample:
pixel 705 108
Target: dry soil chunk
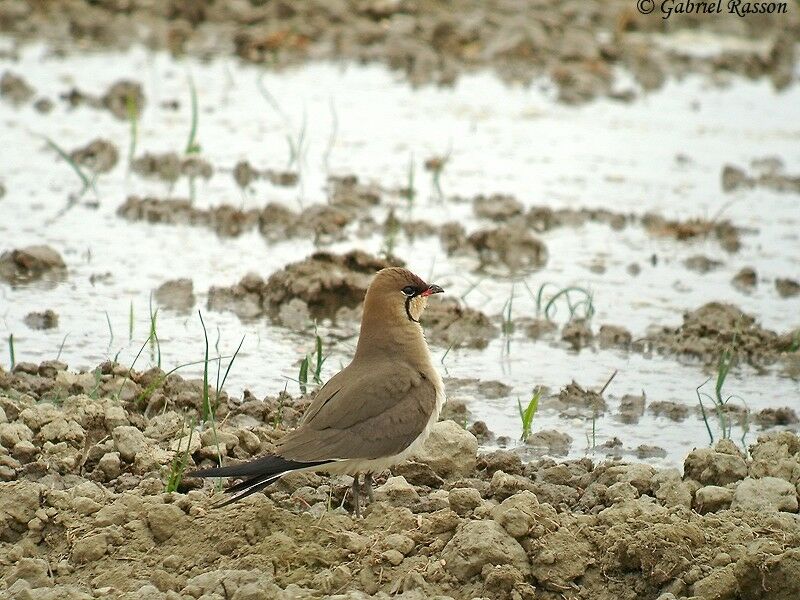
pixel 768 494
pixel 480 543
pixel 450 450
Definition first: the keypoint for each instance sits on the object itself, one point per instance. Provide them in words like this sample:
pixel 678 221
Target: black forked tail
pixel 258 474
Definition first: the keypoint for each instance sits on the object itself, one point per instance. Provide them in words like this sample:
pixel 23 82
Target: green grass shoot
pixel 110 330
pixel 297 145
pixel 719 400
pixel 180 460
pixel 319 359
pixel 130 322
pixel 206 406
pixel 508 322
pixel 582 307
pixel 155 344
pixel 527 414
pixel 11 350
pixel 410 191
pixel 61 347
pixel 192 145
pixel 133 119
pixel 305 364
pixel 302 377
pixel 85 180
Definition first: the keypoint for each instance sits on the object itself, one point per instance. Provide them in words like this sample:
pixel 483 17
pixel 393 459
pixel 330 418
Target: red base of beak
pixel 432 289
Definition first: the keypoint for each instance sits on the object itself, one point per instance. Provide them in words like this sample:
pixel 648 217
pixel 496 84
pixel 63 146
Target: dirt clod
pixel 87 477
pixel 31 263
pixel 98 155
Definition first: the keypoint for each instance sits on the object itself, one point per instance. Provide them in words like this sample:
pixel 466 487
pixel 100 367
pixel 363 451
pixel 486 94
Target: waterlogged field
pixel 651 165
pixel 194 197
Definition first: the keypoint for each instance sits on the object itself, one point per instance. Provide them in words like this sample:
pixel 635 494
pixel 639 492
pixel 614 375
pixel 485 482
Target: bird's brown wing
pixel 372 411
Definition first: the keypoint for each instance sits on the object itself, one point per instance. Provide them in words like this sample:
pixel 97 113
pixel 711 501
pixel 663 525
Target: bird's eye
pixel 409 290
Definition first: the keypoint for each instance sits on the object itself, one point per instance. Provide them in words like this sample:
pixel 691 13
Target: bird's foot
pixel 369 483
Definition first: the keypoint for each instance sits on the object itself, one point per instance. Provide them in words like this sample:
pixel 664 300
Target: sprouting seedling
pixel 211 411
pixel 410 192
pixel 85 180
pixel 11 354
pixel 305 364
pixel 320 360
pixel 130 322
pixel 719 400
pixel 332 137
pixel 508 323
pixel 155 344
pixel 61 347
pixel 550 306
pixel 297 144
pixel 472 287
pixel 180 460
pixel 302 377
pixel 446 352
pixel 133 119
pixel 527 414
pixel 795 346
pixel 192 145
pixel 391 229
pixel 436 165
pixel 110 330
pixel 206 406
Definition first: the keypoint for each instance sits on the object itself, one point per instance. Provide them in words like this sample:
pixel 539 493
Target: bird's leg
pixel 368 483
pixel 356 493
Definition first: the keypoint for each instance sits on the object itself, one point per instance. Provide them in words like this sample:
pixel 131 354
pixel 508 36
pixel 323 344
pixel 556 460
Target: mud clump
pixel 98 155
pixel 225 220
pixel 324 223
pixel 15 88
pixel 82 484
pixel 449 323
pixel 745 280
pixel 702 264
pixel 724 231
pixel 769 175
pixel 176 294
pixel 573 396
pixel 332 286
pixel 123 99
pixel 31 263
pixel 244 174
pixel 614 336
pixel 324 283
pixel 507 248
pixel 787 288
pixel 170 167
pixel 47 319
pixel 715 327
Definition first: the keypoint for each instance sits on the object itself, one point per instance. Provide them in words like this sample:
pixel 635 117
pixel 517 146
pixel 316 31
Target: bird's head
pixel 398 293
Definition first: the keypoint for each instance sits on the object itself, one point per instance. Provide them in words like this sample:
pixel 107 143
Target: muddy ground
pixel 577 45
pixel 85 459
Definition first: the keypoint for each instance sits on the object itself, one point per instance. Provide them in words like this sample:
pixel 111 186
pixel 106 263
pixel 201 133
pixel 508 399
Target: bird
pixel 372 414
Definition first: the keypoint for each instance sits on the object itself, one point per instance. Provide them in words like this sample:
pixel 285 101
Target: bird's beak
pixel 432 289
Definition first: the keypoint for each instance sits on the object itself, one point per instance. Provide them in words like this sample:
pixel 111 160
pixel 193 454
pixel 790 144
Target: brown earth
pixel 84 459
pixel 332 286
pixel 576 44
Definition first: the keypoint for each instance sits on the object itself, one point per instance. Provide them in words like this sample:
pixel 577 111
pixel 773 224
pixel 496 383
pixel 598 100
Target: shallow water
pixel 362 120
